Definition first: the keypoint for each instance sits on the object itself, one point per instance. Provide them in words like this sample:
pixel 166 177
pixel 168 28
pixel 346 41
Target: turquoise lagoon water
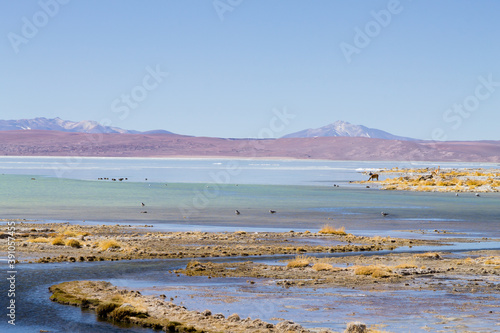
pixel 206 192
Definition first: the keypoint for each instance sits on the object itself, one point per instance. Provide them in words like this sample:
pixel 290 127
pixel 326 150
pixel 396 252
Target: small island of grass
pixel 438 180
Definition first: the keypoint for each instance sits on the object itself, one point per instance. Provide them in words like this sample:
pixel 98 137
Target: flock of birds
pixel 237 212
pixel 113 179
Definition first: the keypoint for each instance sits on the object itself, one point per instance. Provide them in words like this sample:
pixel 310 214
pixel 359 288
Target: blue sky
pixel 226 68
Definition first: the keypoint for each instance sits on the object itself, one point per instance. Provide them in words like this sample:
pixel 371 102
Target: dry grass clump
pixel 329 230
pixel 57 241
pixel 298 262
pixel 376 271
pixel 109 244
pixel 428 255
pixel 39 240
pixel 73 243
pixel 105 308
pixel 321 266
pixel 69 233
pixel 492 261
pixel 72 231
pixel 122 312
pixel 406 265
pixel 466 261
pixel 476 182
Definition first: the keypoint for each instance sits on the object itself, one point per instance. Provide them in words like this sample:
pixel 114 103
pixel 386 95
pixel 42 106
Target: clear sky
pixel 425 69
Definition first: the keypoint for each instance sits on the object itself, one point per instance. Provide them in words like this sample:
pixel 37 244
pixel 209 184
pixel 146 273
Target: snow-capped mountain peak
pixel 343 128
pixel 58 124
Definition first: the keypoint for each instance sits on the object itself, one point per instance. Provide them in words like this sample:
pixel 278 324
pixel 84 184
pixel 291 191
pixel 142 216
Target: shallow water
pixel 298 207
pixel 35 311
pixel 311 307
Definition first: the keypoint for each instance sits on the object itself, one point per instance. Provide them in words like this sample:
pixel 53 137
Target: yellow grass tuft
pixel 69 233
pixel 377 271
pixel 298 262
pixel 476 182
pixel 109 244
pixel 57 241
pixel 73 243
pixel 329 230
pixel 320 266
pixel 466 261
pixel 406 265
pixel 38 240
pixel 492 262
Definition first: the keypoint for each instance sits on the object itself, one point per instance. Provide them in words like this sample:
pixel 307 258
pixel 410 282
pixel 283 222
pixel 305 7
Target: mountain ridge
pixel 345 129
pixel 58 124
pixel 337 129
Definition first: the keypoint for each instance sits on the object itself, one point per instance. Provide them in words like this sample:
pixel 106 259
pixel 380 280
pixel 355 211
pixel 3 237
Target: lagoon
pixel 202 194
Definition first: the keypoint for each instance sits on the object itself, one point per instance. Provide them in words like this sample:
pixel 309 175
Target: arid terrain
pixel 56 242
pixel 305 265
pixel 54 143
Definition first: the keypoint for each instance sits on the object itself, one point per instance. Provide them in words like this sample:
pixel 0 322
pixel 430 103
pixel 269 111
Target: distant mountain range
pixel 345 129
pixel 58 124
pixel 58 143
pixel 338 141
pixel 337 129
